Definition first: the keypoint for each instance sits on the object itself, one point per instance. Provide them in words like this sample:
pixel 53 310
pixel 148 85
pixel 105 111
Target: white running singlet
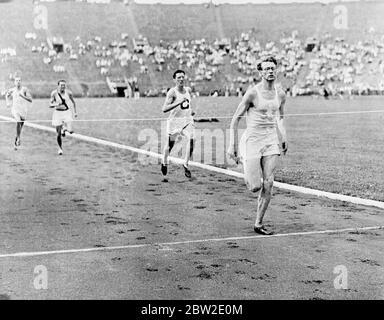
pixel 19 104
pixel 180 117
pixel 261 136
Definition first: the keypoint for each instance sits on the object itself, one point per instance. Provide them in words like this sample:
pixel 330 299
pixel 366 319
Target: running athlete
pixel 62 115
pixel 180 121
pixel 18 98
pixel 263 105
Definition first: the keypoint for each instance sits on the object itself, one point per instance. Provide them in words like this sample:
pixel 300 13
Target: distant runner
pixel 180 121
pixel 18 99
pixel 62 115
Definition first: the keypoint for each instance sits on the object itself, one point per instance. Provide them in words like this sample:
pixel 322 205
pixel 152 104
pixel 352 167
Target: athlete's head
pixel 179 76
pixel 267 68
pixel 62 84
pixel 17 81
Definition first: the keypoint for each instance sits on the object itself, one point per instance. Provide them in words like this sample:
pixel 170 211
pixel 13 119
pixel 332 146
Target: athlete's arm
pixel 170 103
pixel 8 98
pixel 26 96
pixel 190 104
pixel 74 103
pixel 243 106
pixel 53 103
pixel 280 122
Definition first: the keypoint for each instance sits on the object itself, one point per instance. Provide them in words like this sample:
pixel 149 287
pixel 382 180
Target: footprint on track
pixel 204 275
pixel 312 267
pixel 77 200
pixel 116 259
pixel 182 288
pixel 370 262
pixel 239 272
pixel 151 269
pixel 265 276
pixel 312 281
pixel 55 191
pixel 232 245
pixel 115 220
pixel 248 261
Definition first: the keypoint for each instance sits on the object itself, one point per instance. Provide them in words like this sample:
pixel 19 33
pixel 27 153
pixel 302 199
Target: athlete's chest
pixel 266 102
pixel 17 92
pixel 61 96
pixel 181 95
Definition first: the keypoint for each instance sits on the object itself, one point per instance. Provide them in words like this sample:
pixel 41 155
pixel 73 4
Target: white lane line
pixel 202 117
pixel 285 186
pixel 166 245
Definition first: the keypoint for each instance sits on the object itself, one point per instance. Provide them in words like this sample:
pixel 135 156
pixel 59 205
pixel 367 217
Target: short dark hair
pixel 58 82
pixel 267 59
pixel 178 71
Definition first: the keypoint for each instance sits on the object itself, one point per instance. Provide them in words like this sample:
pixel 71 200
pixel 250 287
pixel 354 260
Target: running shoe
pixel 164 169
pixel 187 172
pixel 262 230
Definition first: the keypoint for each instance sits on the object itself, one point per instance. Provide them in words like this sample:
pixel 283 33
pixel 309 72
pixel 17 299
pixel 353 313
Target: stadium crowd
pixel 339 67
pixel 331 66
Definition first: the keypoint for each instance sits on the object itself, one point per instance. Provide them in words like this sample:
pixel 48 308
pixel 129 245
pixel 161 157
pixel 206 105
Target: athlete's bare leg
pixel 189 151
pixel 169 144
pixel 188 156
pixel 252 174
pixel 19 127
pixel 268 166
pixel 68 127
pixel 59 140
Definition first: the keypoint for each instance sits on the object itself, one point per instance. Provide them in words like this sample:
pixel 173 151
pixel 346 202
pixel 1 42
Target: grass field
pixel 189 239
pixel 339 153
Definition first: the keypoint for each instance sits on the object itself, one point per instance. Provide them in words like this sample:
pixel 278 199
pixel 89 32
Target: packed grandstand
pixel 96 47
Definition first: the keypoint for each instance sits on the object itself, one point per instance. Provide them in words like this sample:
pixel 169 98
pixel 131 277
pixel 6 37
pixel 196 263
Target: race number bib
pixel 185 105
